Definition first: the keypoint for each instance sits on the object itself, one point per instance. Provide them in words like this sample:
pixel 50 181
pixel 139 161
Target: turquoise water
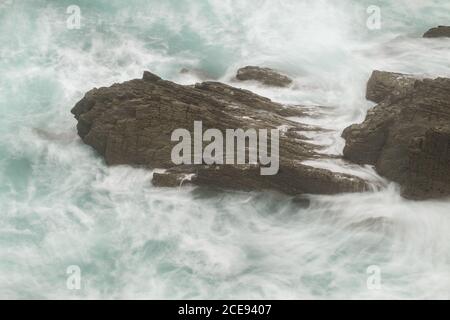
pixel 61 206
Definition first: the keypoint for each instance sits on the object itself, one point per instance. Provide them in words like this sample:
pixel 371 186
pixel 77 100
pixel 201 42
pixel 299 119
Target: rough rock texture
pixel 406 136
pixel 266 76
pixel 131 123
pixel 439 32
pixel 382 85
pixel 430 164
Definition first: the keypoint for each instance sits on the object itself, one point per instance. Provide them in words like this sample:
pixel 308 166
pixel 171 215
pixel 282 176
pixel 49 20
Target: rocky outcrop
pixel 266 76
pixel 439 32
pixel 382 85
pixel 132 122
pixel 406 137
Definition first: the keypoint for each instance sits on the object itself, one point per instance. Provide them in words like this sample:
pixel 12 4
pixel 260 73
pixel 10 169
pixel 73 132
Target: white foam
pixel 60 205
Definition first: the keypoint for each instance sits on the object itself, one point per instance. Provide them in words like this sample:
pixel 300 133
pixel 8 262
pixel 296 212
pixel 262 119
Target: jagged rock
pixel 406 136
pixel 148 76
pixel 384 84
pixel 131 123
pixel 439 32
pixel 266 76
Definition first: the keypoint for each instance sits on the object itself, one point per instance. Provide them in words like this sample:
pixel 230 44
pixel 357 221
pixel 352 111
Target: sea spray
pixel 61 206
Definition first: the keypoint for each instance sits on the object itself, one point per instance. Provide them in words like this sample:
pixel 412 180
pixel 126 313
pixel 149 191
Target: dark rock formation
pixel 266 76
pixel 407 136
pixel 384 84
pixel 439 32
pixel 131 123
pixel 430 164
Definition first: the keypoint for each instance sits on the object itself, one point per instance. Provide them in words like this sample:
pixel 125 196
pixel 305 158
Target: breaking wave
pixel 60 205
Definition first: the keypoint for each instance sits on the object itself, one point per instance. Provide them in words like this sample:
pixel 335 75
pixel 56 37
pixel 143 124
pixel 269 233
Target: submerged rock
pixel 439 32
pixel 266 76
pixel 198 73
pixel 407 136
pixel 131 123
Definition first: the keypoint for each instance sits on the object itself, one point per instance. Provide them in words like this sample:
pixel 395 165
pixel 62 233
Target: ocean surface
pixel 61 206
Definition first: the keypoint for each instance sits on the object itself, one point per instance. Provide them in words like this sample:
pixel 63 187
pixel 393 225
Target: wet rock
pixel 407 137
pixel 383 84
pixel 439 32
pixel 266 76
pixel 131 124
pixel 429 165
pixel 171 180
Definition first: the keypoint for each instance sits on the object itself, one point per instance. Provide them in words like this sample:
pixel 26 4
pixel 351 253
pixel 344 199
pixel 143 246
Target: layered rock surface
pixel 131 123
pixel 407 135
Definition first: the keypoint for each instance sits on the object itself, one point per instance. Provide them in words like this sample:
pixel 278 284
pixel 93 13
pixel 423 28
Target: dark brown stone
pixel 439 32
pixel 266 76
pixel 384 84
pixel 131 123
pixel 429 156
pixel 148 76
pixel 406 136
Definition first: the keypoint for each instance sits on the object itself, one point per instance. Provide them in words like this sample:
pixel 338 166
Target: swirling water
pixel 61 206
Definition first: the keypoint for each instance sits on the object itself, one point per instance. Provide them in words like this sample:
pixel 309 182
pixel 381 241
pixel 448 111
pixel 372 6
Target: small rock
pixel 266 76
pixel 439 32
